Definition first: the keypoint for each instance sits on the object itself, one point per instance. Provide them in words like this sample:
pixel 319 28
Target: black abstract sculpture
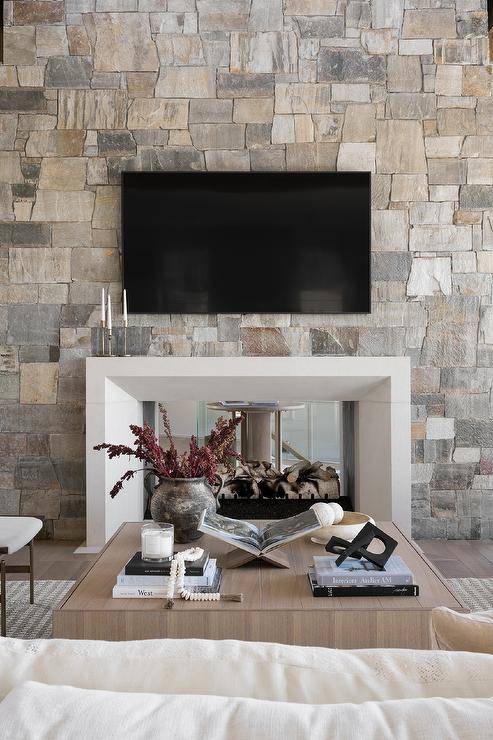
pixel 358 548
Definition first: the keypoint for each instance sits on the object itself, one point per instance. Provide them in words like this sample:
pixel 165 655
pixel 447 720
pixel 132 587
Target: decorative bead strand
pixel 177 578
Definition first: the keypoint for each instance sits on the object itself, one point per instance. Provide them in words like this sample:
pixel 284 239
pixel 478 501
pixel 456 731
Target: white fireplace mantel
pixel 117 387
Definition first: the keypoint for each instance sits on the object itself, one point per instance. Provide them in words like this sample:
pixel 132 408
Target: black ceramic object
pixel 181 502
pixel 358 548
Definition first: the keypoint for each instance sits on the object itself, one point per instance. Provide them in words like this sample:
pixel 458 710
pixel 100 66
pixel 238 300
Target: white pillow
pixel 33 711
pixel 310 675
pixel 457 631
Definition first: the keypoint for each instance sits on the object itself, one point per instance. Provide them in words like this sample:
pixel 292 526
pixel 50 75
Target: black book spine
pixel 131 570
pixel 338 591
pixel 141 568
pixel 136 571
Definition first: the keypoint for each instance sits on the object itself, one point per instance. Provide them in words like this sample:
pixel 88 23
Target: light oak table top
pixel 277 606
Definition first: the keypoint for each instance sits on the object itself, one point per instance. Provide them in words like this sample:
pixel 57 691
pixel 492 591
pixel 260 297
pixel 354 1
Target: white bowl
pixel 351 524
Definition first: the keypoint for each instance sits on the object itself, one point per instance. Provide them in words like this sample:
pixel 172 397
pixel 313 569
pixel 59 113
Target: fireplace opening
pixel 293 452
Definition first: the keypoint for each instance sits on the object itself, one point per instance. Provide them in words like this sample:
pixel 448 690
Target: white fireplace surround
pixel 380 386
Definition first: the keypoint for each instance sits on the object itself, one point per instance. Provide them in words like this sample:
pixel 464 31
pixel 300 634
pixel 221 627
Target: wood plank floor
pixel 52 561
pixel 460 558
pixel 454 558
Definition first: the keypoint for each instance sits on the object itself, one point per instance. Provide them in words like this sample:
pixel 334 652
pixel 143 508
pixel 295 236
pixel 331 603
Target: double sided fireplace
pixel 375 392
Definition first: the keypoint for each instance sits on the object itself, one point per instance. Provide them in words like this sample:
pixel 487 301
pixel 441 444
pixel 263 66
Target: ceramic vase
pixel 181 502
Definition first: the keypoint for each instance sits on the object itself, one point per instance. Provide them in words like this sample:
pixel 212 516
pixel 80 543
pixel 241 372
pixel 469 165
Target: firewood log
pixel 307 489
pixel 328 488
pixel 284 489
pixel 293 473
pixel 259 476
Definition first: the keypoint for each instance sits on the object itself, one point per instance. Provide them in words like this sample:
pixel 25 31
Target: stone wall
pixel 399 87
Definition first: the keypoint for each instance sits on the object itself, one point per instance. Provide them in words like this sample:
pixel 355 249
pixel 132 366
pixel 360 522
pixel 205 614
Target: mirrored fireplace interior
pixel 290 451
pixel 311 432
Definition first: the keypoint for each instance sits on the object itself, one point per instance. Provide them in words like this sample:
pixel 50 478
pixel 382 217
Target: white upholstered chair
pixel 15 533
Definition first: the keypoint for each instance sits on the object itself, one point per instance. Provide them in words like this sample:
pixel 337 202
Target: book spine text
pixel 339 591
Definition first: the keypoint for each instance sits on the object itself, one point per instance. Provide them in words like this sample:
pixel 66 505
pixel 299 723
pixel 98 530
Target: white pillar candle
pixel 157 541
pixel 103 307
pixel 125 317
pixel 109 322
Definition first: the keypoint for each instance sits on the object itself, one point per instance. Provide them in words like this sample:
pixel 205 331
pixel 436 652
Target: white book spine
pixel 161 581
pixel 138 592
pixel 382 579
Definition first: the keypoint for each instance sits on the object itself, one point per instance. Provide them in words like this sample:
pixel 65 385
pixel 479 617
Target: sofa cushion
pixel 256 670
pixel 35 710
pixel 456 631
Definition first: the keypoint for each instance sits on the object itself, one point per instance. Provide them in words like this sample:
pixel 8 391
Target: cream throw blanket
pixel 231 668
pixel 36 711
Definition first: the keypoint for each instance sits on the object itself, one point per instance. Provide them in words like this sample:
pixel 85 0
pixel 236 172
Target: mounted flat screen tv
pixel 246 242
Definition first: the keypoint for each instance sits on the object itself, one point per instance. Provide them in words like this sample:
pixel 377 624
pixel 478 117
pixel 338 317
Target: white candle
pixel 125 317
pixel 109 313
pixel 157 544
pixel 103 307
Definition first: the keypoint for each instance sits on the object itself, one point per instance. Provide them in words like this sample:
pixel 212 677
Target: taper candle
pixel 109 321
pixel 125 316
pixel 103 307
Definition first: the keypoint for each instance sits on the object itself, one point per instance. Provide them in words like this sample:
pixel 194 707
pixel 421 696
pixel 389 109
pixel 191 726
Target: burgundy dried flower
pixel 198 462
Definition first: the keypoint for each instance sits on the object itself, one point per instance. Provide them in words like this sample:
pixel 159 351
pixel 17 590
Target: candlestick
pixel 125 353
pixel 109 323
pixel 103 321
pixel 109 319
pixel 103 332
pixel 125 323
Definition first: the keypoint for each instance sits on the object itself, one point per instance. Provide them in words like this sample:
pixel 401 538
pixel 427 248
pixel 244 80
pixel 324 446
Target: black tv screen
pixel 246 242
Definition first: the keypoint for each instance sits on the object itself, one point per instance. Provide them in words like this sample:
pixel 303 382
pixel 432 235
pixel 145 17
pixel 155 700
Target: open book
pixel 256 540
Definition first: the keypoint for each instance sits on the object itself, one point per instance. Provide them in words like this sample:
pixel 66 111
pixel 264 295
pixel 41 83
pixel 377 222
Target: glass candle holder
pixel 157 540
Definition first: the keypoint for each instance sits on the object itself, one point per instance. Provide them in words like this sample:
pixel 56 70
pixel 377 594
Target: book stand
pixel 235 558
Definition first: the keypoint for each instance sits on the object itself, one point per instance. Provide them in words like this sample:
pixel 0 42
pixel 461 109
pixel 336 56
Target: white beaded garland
pixel 177 577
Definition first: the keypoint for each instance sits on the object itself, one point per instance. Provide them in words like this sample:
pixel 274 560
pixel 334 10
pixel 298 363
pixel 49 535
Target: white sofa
pixel 229 689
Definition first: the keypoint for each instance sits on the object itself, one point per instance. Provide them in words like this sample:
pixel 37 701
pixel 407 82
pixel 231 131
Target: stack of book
pixel 360 578
pixel 141 579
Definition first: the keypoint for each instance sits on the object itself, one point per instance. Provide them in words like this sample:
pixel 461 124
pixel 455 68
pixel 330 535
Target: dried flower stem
pixel 198 462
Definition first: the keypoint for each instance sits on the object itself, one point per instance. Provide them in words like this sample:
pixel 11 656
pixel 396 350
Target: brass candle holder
pixel 103 332
pixel 125 327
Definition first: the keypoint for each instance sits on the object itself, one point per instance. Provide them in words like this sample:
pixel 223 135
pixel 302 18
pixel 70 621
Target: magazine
pixel 257 540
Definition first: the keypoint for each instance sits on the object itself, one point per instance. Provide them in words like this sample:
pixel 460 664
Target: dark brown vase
pixel 181 502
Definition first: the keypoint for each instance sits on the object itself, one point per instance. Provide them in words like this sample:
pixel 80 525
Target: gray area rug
pixel 475 593
pixel 33 621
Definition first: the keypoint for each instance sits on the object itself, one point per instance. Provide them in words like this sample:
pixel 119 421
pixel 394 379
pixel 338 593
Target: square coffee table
pixel 277 607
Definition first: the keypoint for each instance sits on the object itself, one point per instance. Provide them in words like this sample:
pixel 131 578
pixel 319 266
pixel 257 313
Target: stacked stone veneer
pixel 399 87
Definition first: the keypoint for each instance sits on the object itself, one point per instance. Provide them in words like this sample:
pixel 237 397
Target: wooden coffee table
pixel 277 607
